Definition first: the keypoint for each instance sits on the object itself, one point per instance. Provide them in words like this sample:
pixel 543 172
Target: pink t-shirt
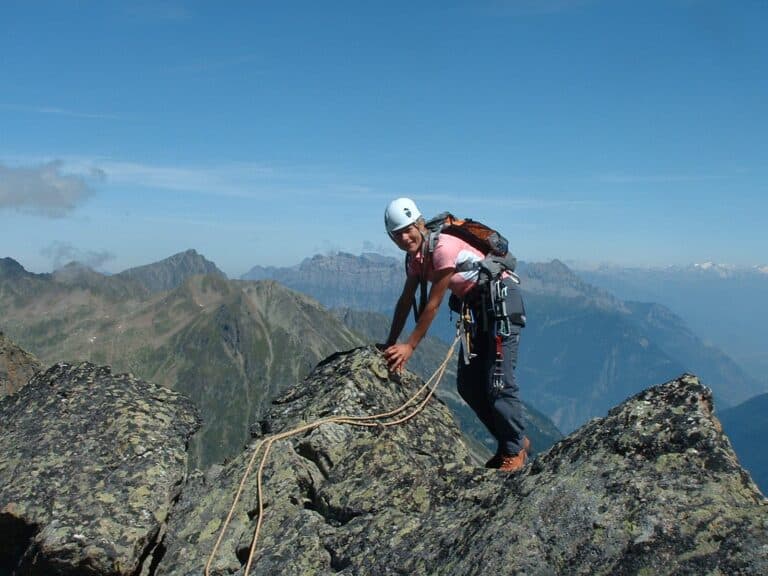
pixel 449 252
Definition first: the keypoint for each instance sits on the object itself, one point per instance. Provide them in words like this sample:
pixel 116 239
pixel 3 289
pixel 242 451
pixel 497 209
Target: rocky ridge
pixel 653 487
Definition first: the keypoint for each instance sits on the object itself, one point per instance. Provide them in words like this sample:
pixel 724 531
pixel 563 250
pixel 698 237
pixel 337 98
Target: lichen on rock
pixel 90 465
pixel 652 487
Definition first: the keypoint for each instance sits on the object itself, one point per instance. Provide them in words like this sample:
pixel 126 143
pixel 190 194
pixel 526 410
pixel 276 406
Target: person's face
pixel 408 239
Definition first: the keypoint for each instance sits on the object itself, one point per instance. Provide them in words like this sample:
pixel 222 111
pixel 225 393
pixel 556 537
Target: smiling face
pixel 408 239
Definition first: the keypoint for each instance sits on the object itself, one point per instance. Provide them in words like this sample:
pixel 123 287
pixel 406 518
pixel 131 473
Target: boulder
pixel 90 466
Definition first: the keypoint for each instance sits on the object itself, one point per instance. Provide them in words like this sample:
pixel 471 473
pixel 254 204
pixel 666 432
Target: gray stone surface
pixel 90 466
pixel 653 488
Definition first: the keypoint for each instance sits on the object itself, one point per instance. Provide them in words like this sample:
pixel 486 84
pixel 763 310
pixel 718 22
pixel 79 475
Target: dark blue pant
pixel 499 410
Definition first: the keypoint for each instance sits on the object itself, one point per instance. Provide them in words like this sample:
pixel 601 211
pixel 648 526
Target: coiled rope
pixel 369 421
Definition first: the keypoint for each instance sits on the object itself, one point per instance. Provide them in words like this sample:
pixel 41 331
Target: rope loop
pixel 374 421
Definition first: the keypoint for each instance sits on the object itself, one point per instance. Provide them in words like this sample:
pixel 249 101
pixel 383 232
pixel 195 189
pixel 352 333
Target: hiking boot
pixel 513 462
pixel 496 459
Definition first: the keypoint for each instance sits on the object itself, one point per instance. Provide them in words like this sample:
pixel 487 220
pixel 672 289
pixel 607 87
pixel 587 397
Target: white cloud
pixel 233 179
pixel 44 190
pixel 226 179
pixel 53 110
pixel 61 253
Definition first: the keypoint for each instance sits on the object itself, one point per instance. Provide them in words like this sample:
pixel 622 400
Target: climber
pixel 485 377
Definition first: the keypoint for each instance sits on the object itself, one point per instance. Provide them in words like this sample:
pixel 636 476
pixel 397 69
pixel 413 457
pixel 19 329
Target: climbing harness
pixel 369 421
pixel 496 291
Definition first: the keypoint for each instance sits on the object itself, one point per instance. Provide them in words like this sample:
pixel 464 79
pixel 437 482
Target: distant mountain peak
pixel 171 272
pixel 76 272
pixel 74 265
pixel 553 268
pixel 722 270
pixel 554 277
pixel 349 262
pixel 10 267
pixel 709 266
pixel 705 265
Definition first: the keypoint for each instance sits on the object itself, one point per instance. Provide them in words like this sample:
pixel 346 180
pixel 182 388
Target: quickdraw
pixel 499 299
pixel 502 328
pixel 466 329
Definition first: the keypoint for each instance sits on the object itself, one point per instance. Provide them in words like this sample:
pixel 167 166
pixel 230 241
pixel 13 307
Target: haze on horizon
pixel 588 131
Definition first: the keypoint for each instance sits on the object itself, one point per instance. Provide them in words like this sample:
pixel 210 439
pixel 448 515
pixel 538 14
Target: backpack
pixel 481 237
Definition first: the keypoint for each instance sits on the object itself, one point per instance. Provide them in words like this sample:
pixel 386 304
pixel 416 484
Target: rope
pixel 368 421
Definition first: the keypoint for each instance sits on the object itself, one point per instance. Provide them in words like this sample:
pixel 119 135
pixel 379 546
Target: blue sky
pixel 265 132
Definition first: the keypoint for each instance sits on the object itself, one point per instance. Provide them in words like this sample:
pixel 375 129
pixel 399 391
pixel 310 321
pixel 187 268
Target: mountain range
pixel 724 304
pixel 233 345
pixel 230 345
pixel 747 427
pixel 583 350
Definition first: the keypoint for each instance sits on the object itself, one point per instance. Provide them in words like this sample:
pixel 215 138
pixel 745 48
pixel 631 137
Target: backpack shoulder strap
pixel 419 308
pixel 437 222
pixel 431 241
pixel 435 226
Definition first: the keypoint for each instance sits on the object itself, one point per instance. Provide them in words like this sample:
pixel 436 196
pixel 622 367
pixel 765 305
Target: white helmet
pixel 400 214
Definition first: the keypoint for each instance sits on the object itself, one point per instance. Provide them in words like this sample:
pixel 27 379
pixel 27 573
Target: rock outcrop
pixel 652 488
pixel 90 466
pixel 16 366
